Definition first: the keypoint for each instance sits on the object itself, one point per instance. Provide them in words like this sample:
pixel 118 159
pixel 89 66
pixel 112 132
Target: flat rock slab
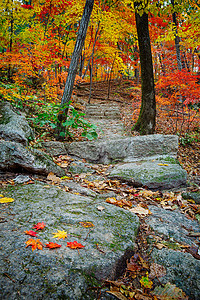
pixel 158 174
pixel 13 126
pixel 15 156
pixel 127 149
pixel 61 273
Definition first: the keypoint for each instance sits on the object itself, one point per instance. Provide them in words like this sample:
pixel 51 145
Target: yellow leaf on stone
pixel 163 165
pixel 6 200
pixel 60 234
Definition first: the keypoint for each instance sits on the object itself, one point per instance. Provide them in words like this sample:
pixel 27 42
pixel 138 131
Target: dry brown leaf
pixel 140 210
pixel 52 177
pixel 169 292
pixel 87 224
pixel 156 271
pixel 118 295
pixel 100 207
pixel 142 297
pixel 160 246
pixel 111 200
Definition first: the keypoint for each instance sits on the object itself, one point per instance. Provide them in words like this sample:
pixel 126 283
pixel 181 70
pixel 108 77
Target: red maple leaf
pixel 53 245
pixel 31 233
pixel 39 226
pixel 74 245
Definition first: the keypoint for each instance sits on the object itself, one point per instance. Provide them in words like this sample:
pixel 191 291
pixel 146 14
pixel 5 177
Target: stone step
pixel 102 111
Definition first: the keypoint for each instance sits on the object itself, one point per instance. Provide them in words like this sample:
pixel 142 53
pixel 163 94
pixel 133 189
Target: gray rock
pixel 183 270
pixel 61 273
pixel 125 149
pixel 77 188
pixel 21 179
pixel 192 195
pixel 13 126
pixel 15 156
pixel 54 148
pixel 152 174
pixel 78 167
pixel 172 225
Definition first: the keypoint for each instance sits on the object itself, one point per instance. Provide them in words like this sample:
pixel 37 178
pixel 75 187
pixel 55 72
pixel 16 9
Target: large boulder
pixel 62 273
pixel 157 174
pixel 182 269
pixel 13 126
pixel 173 228
pixel 15 156
pixel 125 149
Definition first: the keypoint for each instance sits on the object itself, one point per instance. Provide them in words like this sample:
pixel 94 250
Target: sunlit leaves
pixel 60 234
pixel 31 233
pixel 52 245
pixel 35 244
pixel 5 199
pixel 39 226
pixel 74 245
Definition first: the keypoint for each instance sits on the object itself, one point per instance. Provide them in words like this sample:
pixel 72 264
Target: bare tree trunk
pixel 147 117
pixel 73 66
pixel 177 39
pixel 92 57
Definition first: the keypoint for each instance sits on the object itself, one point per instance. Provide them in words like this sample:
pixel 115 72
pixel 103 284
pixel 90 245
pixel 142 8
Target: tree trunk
pixel 177 39
pixel 147 117
pixel 73 66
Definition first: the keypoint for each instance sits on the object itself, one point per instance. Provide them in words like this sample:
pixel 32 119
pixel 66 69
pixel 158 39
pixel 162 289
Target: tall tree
pixel 147 117
pixel 74 65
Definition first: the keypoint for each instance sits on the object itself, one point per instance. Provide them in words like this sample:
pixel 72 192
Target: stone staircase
pixel 108 119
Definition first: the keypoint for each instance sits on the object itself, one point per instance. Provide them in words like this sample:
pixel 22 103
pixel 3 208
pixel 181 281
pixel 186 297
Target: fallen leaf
pixel 140 210
pixel 160 246
pixel 146 282
pixel 74 245
pixel 36 244
pixel 111 200
pixel 52 245
pixel 6 200
pixel 118 295
pixel 87 224
pixel 169 292
pixel 100 207
pixel 51 176
pixel 39 226
pixel 64 165
pixel 66 177
pixel 31 233
pixel 60 234
pixel 156 271
pixel 163 165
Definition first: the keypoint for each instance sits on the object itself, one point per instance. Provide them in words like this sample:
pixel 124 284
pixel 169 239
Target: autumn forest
pixel 38 39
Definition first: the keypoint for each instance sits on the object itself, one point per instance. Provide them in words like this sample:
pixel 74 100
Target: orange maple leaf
pixel 36 244
pixel 39 226
pixel 53 245
pixel 31 233
pixel 74 245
